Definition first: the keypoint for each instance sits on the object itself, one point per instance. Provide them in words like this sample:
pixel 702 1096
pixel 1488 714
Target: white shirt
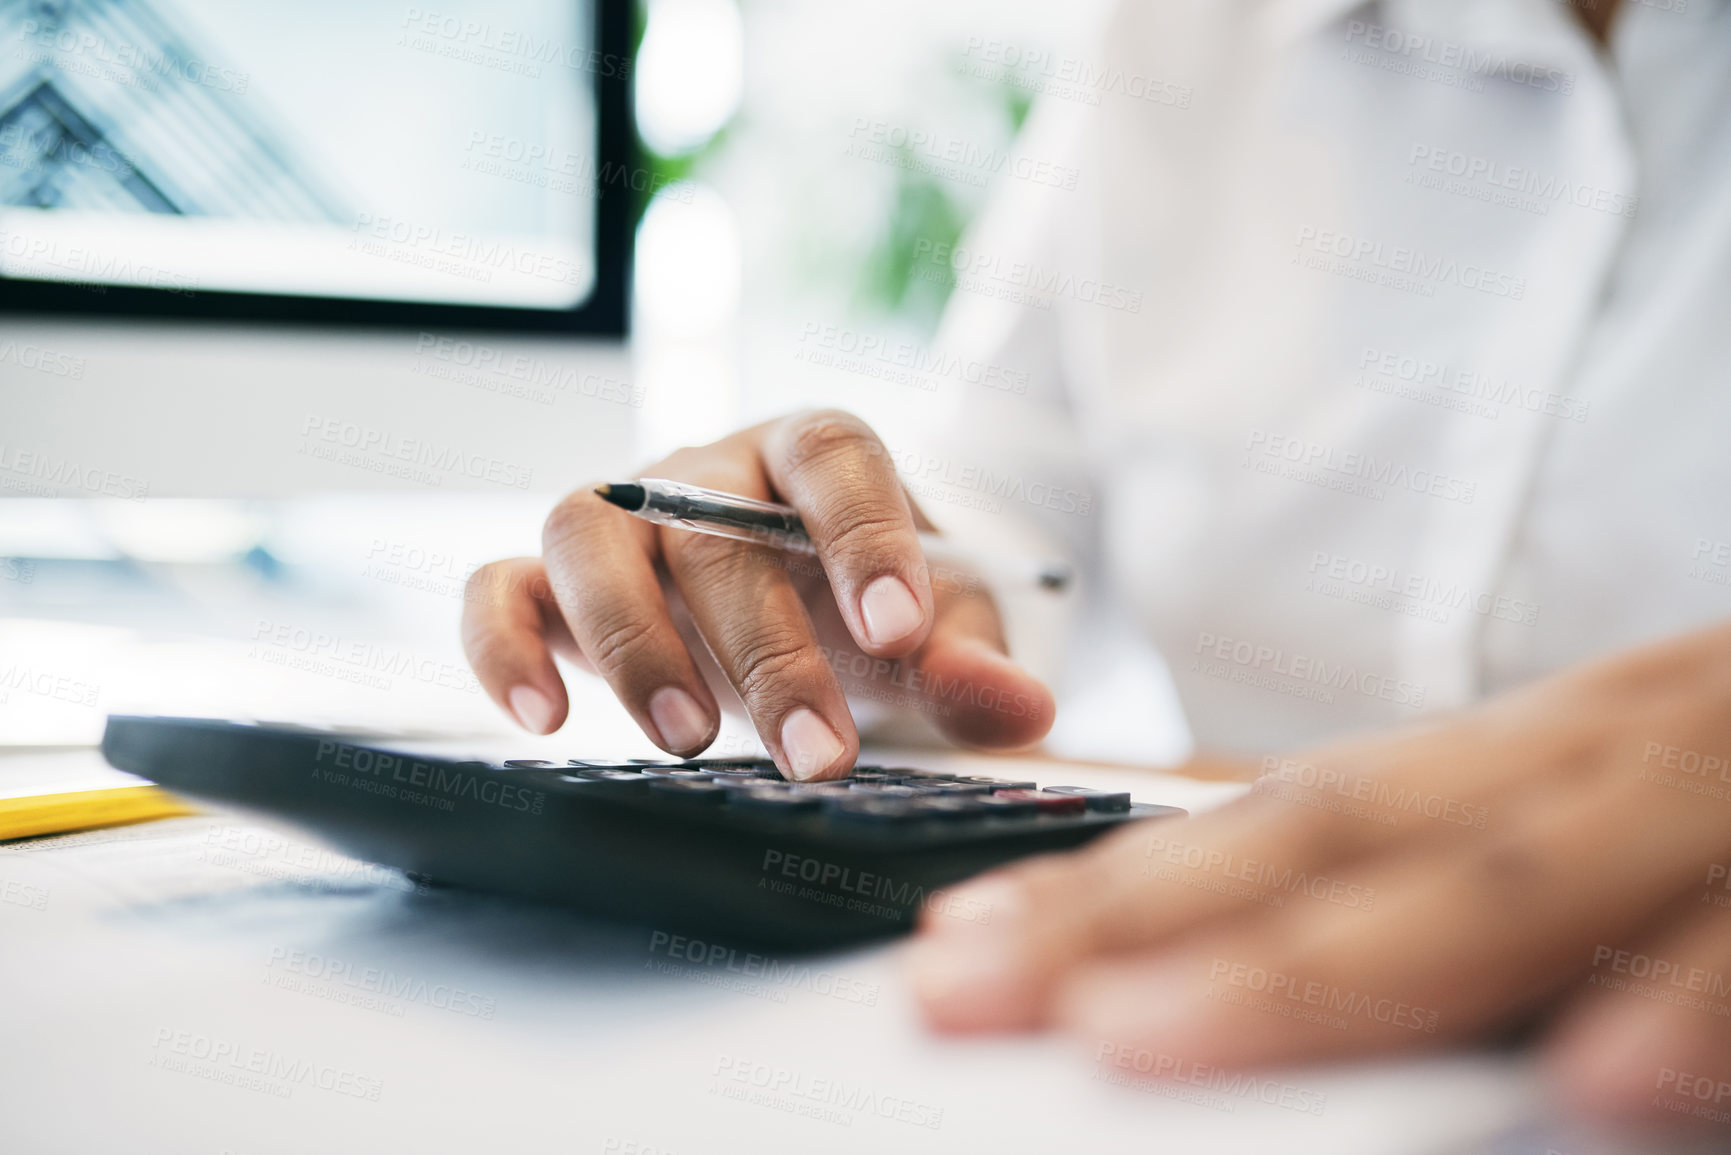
pixel 1379 356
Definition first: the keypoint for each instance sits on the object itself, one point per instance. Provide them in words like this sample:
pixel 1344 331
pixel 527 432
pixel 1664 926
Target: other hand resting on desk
pixel 1562 849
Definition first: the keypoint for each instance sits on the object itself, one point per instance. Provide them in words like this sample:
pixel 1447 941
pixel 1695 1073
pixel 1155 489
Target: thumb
pixel 974 691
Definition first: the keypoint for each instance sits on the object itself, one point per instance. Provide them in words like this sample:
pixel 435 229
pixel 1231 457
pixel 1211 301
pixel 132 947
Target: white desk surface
pixel 210 985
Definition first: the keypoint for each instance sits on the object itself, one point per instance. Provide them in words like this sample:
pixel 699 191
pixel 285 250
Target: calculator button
pixel 728 765
pixel 1047 803
pixel 996 784
pixel 1101 801
pixel 872 810
pixel 527 763
pixel 774 801
pixel 921 775
pixel 699 790
pixel 1004 806
pixel 674 772
pixel 950 809
pixel 877 777
pixel 608 775
pixel 740 782
pixel 602 764
pixel 880 790
pixel 952 789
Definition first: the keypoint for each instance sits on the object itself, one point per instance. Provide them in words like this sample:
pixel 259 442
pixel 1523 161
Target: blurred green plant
pixel 662 169
pixel 925 208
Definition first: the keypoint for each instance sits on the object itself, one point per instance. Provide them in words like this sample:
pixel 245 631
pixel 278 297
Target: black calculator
pixel 722 847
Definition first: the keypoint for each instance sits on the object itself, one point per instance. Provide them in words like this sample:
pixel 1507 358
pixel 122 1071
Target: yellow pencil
pixel 38 814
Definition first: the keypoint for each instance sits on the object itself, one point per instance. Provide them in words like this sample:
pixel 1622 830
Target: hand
pixel 646 607
pixel 1561 850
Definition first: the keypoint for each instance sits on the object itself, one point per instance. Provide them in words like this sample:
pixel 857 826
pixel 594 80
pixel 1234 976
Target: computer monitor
pixel 249 248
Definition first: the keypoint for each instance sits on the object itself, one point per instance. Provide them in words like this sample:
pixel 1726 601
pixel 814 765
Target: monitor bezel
pixel 603 314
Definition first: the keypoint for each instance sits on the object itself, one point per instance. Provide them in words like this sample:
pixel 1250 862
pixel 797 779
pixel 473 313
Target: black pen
pixel 777 526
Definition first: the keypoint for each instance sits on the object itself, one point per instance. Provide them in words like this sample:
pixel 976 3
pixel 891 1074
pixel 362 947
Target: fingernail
pixel 1160 1002
pixel 809 743
pixel 533 709
pixel 975 982
pixel 1611 1068
pixel 890 610
pixel 680 720
pixel 963 969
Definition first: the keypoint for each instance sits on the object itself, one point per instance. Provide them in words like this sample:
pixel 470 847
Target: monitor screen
pixel 346 150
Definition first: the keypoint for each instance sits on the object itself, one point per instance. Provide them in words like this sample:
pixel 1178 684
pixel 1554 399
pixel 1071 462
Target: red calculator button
pixel 1104 801
pixel 1048 803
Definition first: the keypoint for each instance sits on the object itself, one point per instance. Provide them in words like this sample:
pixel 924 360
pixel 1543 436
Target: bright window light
pixel 688 263
pixel 690 72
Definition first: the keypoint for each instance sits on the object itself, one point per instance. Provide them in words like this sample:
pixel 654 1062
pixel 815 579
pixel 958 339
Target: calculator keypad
pixel 872 796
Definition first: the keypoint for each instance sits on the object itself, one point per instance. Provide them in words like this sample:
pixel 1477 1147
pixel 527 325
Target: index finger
pixel 832 468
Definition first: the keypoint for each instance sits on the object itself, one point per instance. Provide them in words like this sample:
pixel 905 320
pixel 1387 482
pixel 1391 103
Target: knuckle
pixel 821 435
pixel 483 582
pixel 864 533
pixel 619 640
pixel 702 560
pixel 568 520
pixel 770 658
pixel 498 584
